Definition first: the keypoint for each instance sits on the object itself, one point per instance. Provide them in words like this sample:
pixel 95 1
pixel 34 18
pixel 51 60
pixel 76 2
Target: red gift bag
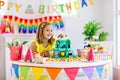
pixel 15 53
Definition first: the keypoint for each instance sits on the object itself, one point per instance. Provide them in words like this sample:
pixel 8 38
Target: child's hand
pixel 46 54
pixel 35 53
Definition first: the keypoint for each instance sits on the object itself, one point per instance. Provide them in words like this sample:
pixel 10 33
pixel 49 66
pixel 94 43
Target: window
pixel 117 25
pixel 118 4
pixel 118 39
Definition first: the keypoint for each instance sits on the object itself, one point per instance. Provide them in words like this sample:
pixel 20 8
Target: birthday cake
pixel 63 47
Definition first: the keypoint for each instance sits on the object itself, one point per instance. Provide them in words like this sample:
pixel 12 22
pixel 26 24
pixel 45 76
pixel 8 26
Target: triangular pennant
pixel 13 76
pixel 15 18
pixel 45 18
pixel 29 55
pixel 59 16
pixel 50 18
pixel 37 72
pixel 20 20
pixel 24 72
pixel 53 72
pixel 10 18
pixel 5 16
pixel 30 75
pixel 91 56
pixel 55 17
pixel 31 21
pixel 25 21
pixel 71 72
pixel 40 19
pixel 99 70
pixel 88 71
pixel 36 20
pixel 16 67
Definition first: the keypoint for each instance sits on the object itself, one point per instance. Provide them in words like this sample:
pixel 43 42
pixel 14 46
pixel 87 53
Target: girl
pixel 44 42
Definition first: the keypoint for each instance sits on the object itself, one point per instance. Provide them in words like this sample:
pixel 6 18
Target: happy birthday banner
pixel 31 25
pixel 54 7
pixel 35 73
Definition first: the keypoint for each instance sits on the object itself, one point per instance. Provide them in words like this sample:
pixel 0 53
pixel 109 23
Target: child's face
pixel 48 32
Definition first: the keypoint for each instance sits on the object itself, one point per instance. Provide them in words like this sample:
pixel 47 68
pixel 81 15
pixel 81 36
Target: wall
pixel 108 17
pixel 74 24
pixel 100 11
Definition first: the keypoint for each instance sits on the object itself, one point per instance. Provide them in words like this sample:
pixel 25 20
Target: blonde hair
pixel 39 36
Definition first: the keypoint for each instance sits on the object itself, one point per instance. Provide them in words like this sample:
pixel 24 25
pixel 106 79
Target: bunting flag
pixel 15 18
pixel 37 72
pixel 30 75
pixel 23 72
pixel 88 71
pixel 16 68
pixel 30 22
pixel 5 17
pixel 45 18
pixel 53 72
pixel 25 21
pixel 99 70
pixel 71 72
pixel 10 17
pixel 50 19
pixel 35 21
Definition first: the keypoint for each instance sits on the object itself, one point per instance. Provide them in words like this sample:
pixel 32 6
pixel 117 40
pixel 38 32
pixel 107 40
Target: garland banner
pixel 42 73
pixel 31 25
pixel 56 7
